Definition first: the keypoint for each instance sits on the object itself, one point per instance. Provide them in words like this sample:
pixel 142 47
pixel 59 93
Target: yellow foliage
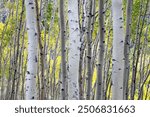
pixel 94 77
pixel 1 27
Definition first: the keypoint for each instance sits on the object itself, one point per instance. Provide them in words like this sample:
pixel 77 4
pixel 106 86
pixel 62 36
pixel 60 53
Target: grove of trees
pixel 75 49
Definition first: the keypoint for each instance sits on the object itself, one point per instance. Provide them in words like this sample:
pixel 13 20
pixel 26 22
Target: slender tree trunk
pixel 118 51
pixel 63 51
pixel 134 52
pixel 82 38
pixel 16 49
pixel 74 50
pixel 89 50
pixel 100 85
pixel 32 50
pixel 43 80
pixel 127 49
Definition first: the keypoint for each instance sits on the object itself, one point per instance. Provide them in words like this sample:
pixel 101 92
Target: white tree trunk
pixel 74 50
pixel 32 50
pixel 118 50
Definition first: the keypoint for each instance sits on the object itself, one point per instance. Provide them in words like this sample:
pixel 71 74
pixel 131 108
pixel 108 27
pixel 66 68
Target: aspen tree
pixel 74 50
pixel 30 91
pixel 82 38
pixel 126 48
pixel 99 91
pixel 118 50
pixel 63 51
pixel 89 50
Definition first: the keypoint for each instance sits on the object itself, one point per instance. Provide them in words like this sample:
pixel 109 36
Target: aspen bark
pixel 63 51
pixel 30 92
pixel 100 85
pixel 42 57
pixel 126 48
pixel 89 50
pixel 74 50
pixel 118 50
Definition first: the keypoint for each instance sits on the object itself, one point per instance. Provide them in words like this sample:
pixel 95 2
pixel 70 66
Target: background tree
pixel 63 51
pixel 100 85
pixel 74 49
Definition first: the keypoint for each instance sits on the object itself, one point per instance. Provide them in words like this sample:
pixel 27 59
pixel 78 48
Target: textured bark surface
pixel 63 51
pixel 74 50
pixel 118 50
pixel 32 50
pixel 100 85
pixel 89 50
pixel 127 48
